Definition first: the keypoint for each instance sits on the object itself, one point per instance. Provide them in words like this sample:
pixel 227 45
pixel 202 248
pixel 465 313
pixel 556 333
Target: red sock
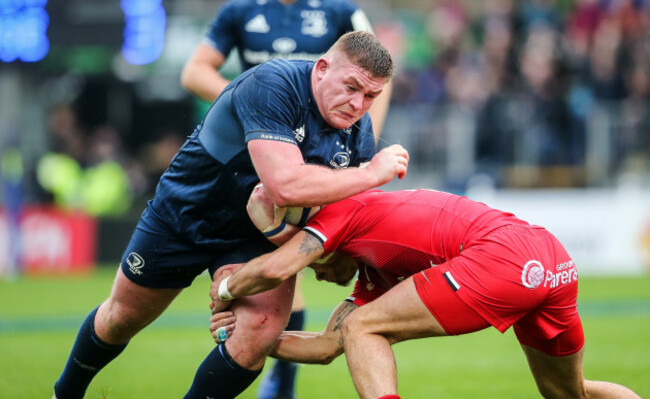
pixel 389 397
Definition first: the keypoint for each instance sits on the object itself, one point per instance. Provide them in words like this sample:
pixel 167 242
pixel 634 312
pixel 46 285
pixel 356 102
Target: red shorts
pixel 516 276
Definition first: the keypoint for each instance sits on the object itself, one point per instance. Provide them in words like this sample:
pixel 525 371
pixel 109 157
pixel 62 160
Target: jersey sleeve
pixel 264 105
pixel 333 224
pixel 221 32
pixel 352 17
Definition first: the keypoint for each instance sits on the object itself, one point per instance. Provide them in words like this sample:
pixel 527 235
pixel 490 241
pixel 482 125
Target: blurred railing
pixel 516 145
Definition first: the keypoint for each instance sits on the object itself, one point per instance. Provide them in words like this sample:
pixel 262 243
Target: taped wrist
pixel 223 292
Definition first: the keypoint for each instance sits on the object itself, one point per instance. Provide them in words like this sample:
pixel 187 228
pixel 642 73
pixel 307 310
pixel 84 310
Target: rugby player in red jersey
pixel 430 264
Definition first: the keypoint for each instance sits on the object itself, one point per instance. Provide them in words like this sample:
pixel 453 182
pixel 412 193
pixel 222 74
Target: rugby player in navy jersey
pixel 301 129
pixel 261 30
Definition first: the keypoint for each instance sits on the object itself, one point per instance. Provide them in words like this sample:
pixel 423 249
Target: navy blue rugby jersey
pixel 265 29
pixel 203 193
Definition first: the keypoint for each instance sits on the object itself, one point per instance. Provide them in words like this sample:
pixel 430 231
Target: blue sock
pixel 220 377
pixel 284 373
pixel 89 355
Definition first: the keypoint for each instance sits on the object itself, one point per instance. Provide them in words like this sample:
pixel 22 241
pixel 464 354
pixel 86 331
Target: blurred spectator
pixel 525 83
pixel 65 133
pixel 84 172
pixel 156 157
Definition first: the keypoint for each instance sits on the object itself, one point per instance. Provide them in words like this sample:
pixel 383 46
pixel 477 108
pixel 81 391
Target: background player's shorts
pixel 515 275
pixel 157 258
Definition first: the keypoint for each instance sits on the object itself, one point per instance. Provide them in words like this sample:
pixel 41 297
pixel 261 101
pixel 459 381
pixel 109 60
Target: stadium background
pixel 540 107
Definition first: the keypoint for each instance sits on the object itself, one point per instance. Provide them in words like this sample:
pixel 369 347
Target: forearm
pixel 307 347
pixel 288 181
pixel 268 271
pixel 204 81
pixel 315 185
pixel 252 279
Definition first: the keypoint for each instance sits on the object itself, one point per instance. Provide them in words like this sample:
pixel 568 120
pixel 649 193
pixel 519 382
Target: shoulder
pixel 282 71
pixel 349 14
pixel 341 6
pixel 239 5
pixel 237 9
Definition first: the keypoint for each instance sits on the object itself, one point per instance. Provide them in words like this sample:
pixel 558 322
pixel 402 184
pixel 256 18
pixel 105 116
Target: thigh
pixel 157 258
pixel 437 290
pixel 261 319
pixel 399 315
pixel 556 376
pixel 554 327
pixel 129 309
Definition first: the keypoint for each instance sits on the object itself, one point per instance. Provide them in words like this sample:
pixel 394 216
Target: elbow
pixel 281 189
pixel 281 195
pixel 185 78
pixel 188 75
pixel 329 357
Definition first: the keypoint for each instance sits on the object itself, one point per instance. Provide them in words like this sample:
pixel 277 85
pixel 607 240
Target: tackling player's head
pixel 336 268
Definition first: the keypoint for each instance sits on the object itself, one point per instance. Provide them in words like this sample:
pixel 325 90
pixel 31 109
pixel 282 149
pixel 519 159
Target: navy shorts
pixel 157 257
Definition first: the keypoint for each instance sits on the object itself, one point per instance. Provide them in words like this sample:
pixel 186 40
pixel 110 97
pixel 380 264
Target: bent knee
pixel 354 324
pixel 114 324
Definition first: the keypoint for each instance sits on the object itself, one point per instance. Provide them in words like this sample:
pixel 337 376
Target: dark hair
pixel 365 50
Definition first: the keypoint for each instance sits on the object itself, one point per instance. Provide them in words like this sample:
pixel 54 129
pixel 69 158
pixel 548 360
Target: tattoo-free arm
pixel 289 181
pixel 201 74
pixel 312 347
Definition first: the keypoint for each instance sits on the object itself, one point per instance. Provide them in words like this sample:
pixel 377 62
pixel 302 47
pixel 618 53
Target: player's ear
pixel 321 67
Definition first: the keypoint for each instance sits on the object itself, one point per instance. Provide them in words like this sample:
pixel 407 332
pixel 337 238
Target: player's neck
pixel 287 2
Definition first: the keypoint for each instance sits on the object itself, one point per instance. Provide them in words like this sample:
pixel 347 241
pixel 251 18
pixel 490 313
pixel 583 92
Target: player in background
pixel 260 31
pixel 299 127
pixel 430 264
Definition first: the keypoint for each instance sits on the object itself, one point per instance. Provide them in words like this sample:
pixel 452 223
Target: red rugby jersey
pixel 394 235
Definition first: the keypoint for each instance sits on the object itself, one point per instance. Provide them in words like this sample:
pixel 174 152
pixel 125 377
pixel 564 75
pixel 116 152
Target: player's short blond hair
pixel 365 50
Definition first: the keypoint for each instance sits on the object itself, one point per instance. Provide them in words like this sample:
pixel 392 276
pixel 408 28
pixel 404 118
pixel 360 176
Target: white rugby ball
pixel 298 215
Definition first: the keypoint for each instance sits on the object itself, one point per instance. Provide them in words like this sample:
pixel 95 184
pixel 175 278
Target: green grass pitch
pixel 39 318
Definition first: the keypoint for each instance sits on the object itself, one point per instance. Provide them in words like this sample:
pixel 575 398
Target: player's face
pixel 338 269
pixel 343 90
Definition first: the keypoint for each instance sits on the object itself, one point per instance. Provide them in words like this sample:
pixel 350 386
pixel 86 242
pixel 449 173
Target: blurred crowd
pixel 527 93
pixel 91 169
pixel 532 93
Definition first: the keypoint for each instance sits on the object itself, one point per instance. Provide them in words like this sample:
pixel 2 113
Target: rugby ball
pixel 298 215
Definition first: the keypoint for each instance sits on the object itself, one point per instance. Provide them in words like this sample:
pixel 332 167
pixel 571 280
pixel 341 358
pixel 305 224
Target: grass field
pixel 39 318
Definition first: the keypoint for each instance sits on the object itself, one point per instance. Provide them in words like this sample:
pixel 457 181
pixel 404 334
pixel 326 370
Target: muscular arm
pixel 268 271
pixel 201 73
pixel 300 346
pixel 312 347
pixel 289 181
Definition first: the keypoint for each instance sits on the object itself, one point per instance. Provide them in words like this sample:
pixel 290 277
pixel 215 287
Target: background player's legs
pixel 369 331
pixel 561 377
pixel 231 368
pixel 279 383
pixel 107 330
